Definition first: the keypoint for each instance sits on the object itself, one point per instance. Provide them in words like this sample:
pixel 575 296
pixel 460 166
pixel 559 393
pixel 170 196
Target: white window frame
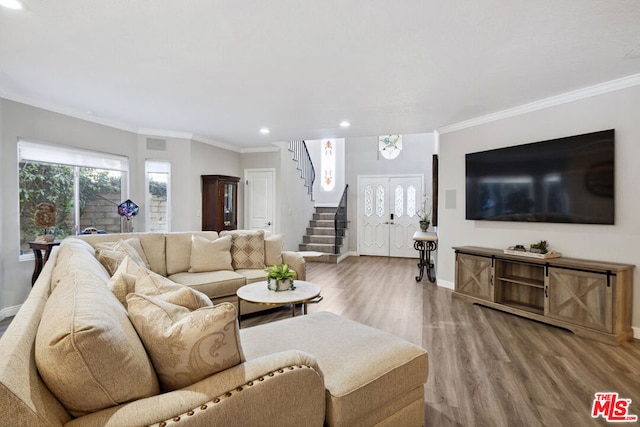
pixel 157 166
pixel 55 154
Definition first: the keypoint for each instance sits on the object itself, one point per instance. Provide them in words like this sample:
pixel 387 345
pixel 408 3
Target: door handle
pixel 269 223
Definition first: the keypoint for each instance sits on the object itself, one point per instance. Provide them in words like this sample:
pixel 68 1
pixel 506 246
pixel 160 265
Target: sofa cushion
pixel 253 275
pixel 178 250
pixel 366 371
pixel 210 255
pixel 75 254
pixel 152 284
pixel 186 346
pixel 273 250
pixel 213 284
pixel 247 250
pixel 87 352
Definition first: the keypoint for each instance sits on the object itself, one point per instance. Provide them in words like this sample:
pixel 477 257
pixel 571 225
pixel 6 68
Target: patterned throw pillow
pixel 247 249
pixel 186 346
pixel 131 243
pixel 152 284
pixel 123 281
pixel 210 255
pixel 111 256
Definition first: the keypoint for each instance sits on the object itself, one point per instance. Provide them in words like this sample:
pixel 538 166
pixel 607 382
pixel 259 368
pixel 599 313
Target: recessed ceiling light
pixel 345 124
pixel 264 131
pixel 12 4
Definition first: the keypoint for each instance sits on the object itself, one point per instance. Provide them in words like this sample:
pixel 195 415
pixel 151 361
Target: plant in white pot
pixel 280 278
pixel 424 213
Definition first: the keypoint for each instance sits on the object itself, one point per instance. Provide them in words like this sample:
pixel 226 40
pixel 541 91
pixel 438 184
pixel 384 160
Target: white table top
pixel 425 236
pixel 260 294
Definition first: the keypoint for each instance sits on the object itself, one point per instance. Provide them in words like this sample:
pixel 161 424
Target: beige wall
pixel 208 160
pixel 362 159
pixel 618 243
pixel 189 159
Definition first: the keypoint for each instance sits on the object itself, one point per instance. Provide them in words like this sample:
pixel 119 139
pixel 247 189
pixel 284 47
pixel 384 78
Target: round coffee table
pixel 258 293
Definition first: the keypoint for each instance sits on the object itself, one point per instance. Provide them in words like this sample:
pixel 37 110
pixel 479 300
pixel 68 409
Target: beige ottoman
pixel 371 377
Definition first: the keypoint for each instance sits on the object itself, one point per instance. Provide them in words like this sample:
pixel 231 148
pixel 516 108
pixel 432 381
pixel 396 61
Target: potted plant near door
pixel 424 213
pixel 280 278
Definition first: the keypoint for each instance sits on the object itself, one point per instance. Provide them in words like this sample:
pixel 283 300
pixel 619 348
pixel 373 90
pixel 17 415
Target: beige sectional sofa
pixel 79 353
pixel 169 254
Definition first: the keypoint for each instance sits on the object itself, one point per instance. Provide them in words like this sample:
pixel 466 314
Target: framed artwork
pixel 390 146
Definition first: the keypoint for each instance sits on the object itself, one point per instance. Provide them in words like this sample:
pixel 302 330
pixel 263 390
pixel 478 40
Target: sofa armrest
pixel 279 389
pixel 296 262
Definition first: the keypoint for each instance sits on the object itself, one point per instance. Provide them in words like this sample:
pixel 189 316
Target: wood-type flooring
pixel 486 368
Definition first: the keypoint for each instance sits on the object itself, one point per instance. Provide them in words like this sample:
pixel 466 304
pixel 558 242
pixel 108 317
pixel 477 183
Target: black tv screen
pixel 564 180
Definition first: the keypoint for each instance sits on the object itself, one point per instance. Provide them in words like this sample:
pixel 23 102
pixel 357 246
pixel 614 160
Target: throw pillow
pixel 133 242
pixel 152 284
pixel 123 280
pixel 111 260
pixel 186 346
pixel 210 255
pixel 112 257
pixel 133 248
pixel 273 250
pixel 247 249
pixel 87 351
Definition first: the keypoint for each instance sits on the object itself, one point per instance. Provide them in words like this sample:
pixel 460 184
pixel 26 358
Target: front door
pixel 387 214
pixel 259 206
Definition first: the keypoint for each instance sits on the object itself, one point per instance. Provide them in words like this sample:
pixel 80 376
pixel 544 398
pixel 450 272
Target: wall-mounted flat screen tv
pixel 564 180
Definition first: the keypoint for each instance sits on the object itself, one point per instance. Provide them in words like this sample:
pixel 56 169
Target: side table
pixel 37 248
pixel 425 242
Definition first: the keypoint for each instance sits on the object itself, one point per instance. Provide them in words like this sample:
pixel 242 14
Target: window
pixel 84 187
pixel 328 163
pixel 158 174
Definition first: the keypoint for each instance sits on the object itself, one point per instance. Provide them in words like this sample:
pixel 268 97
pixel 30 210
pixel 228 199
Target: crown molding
pixel 576 95
pixel 164 133
pixel 71 112
pixel 213 142
pixel 260 149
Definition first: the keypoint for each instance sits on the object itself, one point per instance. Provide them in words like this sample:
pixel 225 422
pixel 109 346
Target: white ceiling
pixel 221 70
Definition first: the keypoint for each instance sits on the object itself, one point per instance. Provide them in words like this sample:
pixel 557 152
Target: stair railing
pixel 340 220
pixel 304 164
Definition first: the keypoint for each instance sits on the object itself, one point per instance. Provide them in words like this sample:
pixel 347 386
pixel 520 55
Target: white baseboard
pixel 9 311
pixel 347 255
pixel 445 284
pixel 636 332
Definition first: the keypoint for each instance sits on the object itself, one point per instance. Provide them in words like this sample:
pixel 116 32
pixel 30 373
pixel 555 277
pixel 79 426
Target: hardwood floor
pixel 486 368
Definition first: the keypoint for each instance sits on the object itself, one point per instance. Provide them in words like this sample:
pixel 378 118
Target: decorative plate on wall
pixel 390 146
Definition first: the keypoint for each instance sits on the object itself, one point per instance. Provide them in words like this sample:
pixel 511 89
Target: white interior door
pixel 387 216
pixel 373 218
pixel 406 193
pixel 259 206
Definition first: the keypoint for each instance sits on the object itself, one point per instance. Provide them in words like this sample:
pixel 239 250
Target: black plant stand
pixel 425 243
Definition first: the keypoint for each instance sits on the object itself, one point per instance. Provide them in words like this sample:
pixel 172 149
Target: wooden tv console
pixel 590 298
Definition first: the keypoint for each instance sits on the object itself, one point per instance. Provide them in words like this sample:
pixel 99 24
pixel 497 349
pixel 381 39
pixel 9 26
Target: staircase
pixel 321 244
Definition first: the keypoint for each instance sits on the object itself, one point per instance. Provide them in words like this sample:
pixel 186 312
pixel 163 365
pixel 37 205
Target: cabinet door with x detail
pixel 474 276
pixel 581 297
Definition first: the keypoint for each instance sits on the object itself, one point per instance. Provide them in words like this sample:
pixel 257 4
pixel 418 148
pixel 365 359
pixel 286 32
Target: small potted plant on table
pixel 539 248
pixel 280 278
pixel 423 213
